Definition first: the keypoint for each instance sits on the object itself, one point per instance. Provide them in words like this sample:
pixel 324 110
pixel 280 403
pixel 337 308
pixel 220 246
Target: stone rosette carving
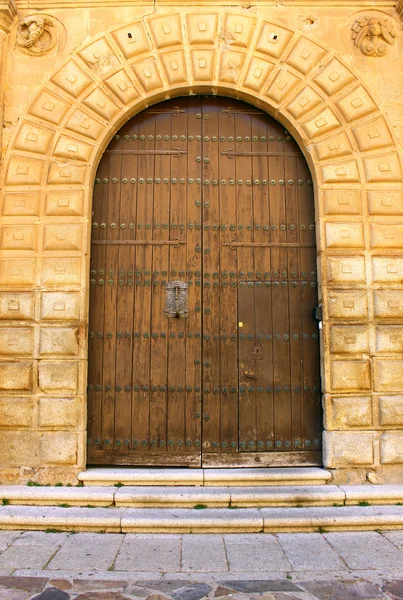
pixel 36 34
pixel 373 35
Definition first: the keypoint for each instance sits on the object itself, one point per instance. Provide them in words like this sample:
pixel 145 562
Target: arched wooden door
pixel 212 197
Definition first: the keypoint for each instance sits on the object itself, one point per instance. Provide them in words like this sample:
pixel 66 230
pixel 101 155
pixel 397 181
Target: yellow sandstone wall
pixel 65 96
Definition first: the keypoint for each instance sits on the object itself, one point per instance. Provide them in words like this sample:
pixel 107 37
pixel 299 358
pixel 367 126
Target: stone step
pixel 205 477
pixel 201 496
pixel 210 520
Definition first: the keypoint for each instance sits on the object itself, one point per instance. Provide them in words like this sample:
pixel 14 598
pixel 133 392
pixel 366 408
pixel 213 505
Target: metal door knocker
pixel 176 299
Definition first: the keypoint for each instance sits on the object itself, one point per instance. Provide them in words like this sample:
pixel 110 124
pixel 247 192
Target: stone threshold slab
pixel 205 477
pixel 340 518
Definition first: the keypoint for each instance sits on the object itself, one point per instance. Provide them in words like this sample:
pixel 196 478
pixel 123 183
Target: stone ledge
pixel 172 497
pixel 321 495
pixel 63 519
pixel 184 520
pixel 146 476
pixel 373 494
pixel 51 496
pixel 343 518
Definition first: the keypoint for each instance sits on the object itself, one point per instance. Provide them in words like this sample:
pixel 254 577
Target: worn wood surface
pixel 236 382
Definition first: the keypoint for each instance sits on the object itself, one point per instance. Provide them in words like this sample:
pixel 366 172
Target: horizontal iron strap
pixel 174 152
pixel 139 242
pixel 231 153
pixel 234 244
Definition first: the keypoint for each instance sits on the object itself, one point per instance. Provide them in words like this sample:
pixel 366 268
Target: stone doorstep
pixel 210 520
pixel 211 497
pixel 205 477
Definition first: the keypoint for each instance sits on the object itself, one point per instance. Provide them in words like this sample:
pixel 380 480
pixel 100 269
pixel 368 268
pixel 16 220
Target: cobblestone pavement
pixel 88 566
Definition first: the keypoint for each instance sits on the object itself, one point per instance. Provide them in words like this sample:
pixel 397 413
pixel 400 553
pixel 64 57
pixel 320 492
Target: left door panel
pixel 144 392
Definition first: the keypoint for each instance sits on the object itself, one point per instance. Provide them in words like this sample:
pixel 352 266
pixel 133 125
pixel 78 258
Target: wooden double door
pixel 203 347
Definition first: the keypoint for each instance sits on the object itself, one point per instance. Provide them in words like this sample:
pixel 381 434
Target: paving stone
pixel 365 550
pixel 255 553
pixel 52 594
pixel 7 538
pixel 31 538
pixel 222 590
pixel 203 554
pixel 30 584
pixel 194 591
pixel 89 574
pixel 261 585
pixel 309 551
pixel 87 551
pixel 343 590
pixel 27 557
pixel 394 589
pixel 150 552
pixel 157 596
pixel 396 537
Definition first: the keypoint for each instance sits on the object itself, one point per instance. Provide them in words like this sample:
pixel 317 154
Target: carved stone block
pixel 59 412
pixel 81 123
pixel 349 339
pixel 132 40
pixel 58 448
pixel 334 147
pixel 385 202
pixel 348 412
pixel 334 77
pixel 16 376
pixel 231 66
pixel 202 28
pixel 387 374
pixel 342 202
pixel 63 237
pixel 238 30
pixel 101 104
pixel 344 235
pixel 59 341
pixel 273 39
pixel 345 172
pixel 386 235
pixel 343 304
pixel 166 30
pixel 72 148
pixel 383 168
pixel 16 341
pixel 61 203
pixel 174 67
pixel 72 79
pixel 21 204
pixel 17 306
pixel 59 376
pixel 257 73
pixel 391 410
pixel 350 375
pixel 122 86
pixel 100 57
pixel 147 73
pixel 345 269
pixel 60 306
pixel 61 272
pixel 282 85
pixel 391 448
pixel 387 269
pixel 203 62
pixel 321 124
pixel 344 449
pixel 19 237
pixel 33 138
pixel 16 412
pixel 17 271
pixel 24 171
pixel 373 135
pixel 305 55
pixel 389 339
pixel 388 303
pixel 65 174
pixel 356 104
pixel 49 107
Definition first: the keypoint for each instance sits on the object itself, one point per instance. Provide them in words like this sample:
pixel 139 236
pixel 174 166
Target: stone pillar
pixel 8 12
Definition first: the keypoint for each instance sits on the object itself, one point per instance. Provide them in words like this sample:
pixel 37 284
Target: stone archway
pixel 48 177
